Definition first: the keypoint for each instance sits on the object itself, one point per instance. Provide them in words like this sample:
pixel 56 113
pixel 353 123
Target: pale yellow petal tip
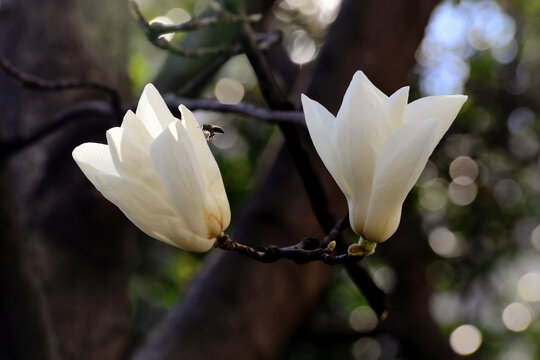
pixel 362 248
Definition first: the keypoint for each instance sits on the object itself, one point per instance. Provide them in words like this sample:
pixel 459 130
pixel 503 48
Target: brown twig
pixel 272 116
pixel 36 83
pixel 307 250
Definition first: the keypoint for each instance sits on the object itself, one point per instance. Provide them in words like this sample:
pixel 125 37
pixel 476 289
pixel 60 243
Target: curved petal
pixel 135 126
pixel 216 204
pixel 443 108
pixel 216 200
pixel 175 161
pixel 153 111
pixel 321 126
pixel 94 157
pixel 401 161
pixel 131 160
pixel 396 105
pixel 142 206
pixel 361 127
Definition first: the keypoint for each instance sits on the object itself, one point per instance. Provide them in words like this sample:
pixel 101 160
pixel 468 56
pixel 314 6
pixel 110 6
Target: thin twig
pixel 307 250
pixel 269 39
pixel 162 43
pixel 335 233
pixel 272 116
pixel 36 83
pixel 223 17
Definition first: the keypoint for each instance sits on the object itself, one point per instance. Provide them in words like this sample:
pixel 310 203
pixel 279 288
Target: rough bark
pixel 240 309
pixel 64 269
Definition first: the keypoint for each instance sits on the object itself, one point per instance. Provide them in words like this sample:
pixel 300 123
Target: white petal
pixel 94 157
pixel 443 108
pixel 401 161
pixel 133 124
pixel 131 160
pixel 321 126
pixel 145 208
pixel 362 125
pixel 153 111
pixel 216 200
pixel 396 105
pixel 173 157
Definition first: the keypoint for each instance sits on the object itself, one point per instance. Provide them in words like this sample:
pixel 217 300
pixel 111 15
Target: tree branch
pixel 223 17
pixel 272 116
pixel 307 250
pixel 276 100
pixel 36 83
pixel 154 37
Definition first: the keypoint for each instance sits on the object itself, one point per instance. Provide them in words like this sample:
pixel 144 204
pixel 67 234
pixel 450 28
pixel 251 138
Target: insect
pixel 212 130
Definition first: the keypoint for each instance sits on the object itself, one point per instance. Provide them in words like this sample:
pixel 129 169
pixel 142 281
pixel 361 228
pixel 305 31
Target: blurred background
pixel 462 273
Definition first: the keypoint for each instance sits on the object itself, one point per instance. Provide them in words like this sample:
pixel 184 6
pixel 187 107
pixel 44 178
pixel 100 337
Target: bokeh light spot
pixel 516 317
pixel 463 170
pixel 445 243
pixel 466 339
pixel 433 195
pixel 385 277
pixel 363 319
pixel 178 15
pixel 229 91
pixel 535 238
pixel 367 348
pixel 462 194
pixel 301 47
pixel 529 286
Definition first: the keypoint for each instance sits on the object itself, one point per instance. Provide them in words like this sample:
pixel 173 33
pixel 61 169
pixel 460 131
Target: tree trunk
pixel 63 256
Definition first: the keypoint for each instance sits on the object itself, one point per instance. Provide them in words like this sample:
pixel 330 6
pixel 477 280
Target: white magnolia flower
pixel 376 148
pixel 160 172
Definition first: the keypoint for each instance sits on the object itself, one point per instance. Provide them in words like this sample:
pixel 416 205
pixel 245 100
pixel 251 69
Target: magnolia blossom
pixel 160 172
pixel 376 148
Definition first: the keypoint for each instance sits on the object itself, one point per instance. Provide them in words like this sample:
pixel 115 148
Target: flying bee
pixel 212 130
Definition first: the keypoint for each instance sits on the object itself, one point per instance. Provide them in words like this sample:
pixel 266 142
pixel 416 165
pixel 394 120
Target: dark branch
pixel 223 17
pixel 160 42
pixel 35 83
pixel 273 116
pixel 307 250
pixel 102 108
pixel 70 115
pixel 155 31
pixel 276 100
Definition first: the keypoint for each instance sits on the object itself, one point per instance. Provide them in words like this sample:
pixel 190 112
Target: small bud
pixel 331 245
